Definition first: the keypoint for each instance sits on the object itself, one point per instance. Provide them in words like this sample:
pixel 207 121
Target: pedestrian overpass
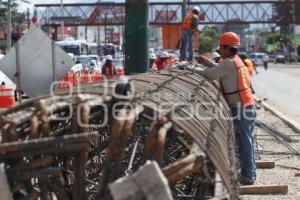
pixel 162 13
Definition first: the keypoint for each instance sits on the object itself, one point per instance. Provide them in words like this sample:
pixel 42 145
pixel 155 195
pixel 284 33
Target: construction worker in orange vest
pixel 152 60
pixel 248 62
pixel 251 68
pixel 235 81
pixel 164 61
pixel 109 69
pixel 188 28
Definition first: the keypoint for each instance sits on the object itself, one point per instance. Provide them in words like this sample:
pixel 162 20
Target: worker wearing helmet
pixel 163 61
pixel 188 28
pixel 109 69
pixel 152 59
pixel 248 62
pixel 215 57
pixel 251 68
pixel 235 81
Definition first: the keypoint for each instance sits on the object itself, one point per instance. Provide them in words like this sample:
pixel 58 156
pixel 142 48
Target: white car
pixel 257 58
pixel 95 59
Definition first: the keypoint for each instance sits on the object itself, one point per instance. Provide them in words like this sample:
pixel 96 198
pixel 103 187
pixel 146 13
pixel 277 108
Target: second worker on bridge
pixel 188 28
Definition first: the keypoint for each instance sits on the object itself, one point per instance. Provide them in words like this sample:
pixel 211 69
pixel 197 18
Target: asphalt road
pixel 280 84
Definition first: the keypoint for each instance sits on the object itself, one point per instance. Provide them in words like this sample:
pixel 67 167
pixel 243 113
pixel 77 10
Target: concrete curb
pixel 290 122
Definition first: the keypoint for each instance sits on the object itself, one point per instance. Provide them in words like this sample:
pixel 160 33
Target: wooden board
pixel 265 164
pixel 264 189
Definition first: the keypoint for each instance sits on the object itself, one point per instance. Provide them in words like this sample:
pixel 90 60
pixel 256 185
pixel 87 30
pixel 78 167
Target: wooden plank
pixel 264 189
pixel 265 164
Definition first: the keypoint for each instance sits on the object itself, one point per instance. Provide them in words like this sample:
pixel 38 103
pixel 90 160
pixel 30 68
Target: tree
pixel 208 39
pixel 205 45
pixel 16 18
pixel 285 14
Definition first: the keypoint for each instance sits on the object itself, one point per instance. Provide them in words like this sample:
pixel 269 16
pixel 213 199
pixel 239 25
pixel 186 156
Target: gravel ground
pixel 283 174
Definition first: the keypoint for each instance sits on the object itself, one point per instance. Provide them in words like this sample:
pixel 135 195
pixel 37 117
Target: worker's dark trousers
pixel 244 122
pixel 266 65
pixel 187 45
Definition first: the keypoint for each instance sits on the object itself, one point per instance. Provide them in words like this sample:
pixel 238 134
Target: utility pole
pixel 136 36
pixel 62 21
pixel 8 36
pixel 184 6
pixel 294 28
pixel 28 18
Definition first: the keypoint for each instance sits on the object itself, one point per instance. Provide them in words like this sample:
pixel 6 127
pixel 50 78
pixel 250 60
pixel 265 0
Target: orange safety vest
pixel 110 74
pixel 187 22
pixel 162 64
pixel 244 89
pixel 250 65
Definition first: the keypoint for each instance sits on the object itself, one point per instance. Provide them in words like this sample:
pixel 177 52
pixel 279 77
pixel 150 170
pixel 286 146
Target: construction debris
pixel 107 135
pixel 147 183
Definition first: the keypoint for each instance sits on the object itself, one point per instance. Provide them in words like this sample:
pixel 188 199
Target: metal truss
pixel 216 12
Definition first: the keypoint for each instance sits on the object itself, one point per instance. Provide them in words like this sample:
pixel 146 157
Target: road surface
pixel 280 84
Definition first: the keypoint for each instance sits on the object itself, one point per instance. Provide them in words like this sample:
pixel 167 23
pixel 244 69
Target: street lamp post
pixel 62 21
pixel 8 36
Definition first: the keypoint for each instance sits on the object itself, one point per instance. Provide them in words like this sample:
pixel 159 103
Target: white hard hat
pixel 108 57
pixel 151 50
pixel 152 56
pixel 164 54
pixel 215 55
pixel 197 8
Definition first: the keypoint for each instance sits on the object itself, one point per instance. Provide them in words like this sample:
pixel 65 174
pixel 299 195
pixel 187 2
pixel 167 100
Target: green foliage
pixel 16 16
pixel 273 38
pixel 205 44
pixel 286 11
pixel 208 39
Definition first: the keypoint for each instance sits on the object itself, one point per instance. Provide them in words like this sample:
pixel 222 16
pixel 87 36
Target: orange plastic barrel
pixel 86 77
pixel 7 97
pixel 120 72
pixel 97 75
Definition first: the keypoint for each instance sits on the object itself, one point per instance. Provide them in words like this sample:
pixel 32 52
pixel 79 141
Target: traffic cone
pixel 97 75
pixel 120 72
pixel 7 97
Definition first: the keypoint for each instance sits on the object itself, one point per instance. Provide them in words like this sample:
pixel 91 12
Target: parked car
pixel 272 58
pixel 280 59
pixel 257 58
pixel 95 61
pixel 119 63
